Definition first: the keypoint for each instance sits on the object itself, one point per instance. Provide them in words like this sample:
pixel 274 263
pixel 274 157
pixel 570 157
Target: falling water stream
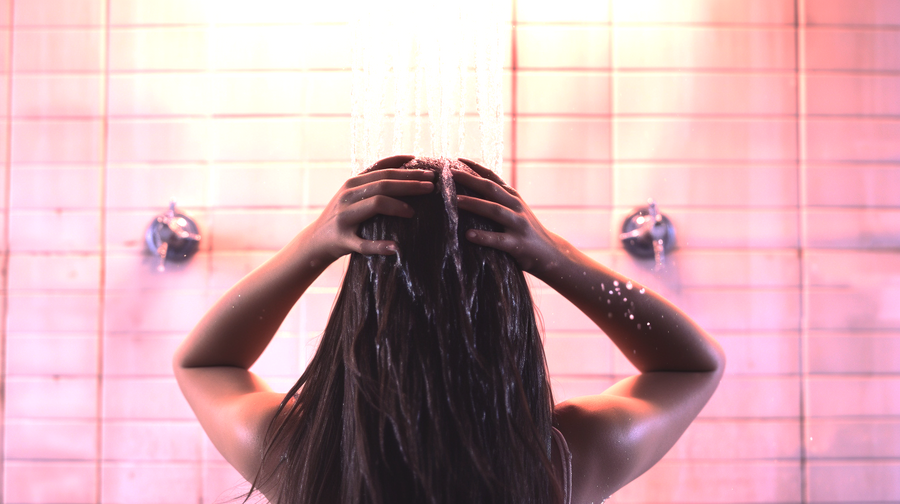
pixel 416 67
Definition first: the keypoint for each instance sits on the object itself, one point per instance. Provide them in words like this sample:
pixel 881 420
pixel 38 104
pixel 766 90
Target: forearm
pixel 239 326
pixel 651 332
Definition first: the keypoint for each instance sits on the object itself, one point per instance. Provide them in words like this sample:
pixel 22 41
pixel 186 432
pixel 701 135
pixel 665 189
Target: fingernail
pixel 391 247
pixel 471 233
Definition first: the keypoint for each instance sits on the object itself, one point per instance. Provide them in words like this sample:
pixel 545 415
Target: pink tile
pixel 582 228
pixel 859 12
pixel 705 93
pixel 272 47
pixel 144 399
pixel 568 387
pixel 575 47
pixel 57 141
pixel 137 355
pixel 559 315
pixel 564 185
pixel 51 397
pixel 738 309
pixel 278 139
pixel 711 482
pixel 761 354
pixel 704 12
pixel 757 229
pixel 853 139
pixel 536 11
pixel 160 48
pixel 145 141
pixel 854 481
pixel 854 352
pixel 154 311
pixel 135 12
pixel 563 92
pixel 853 396
pixel 328 92
pixel 853 185
pixel 34 440
pixel 222 483
pixel 313 311
pixel 282 357
pixel 758 185
pixel 57 96
pixel 747 440
pixel 160 94
pixel 853 268
pixel 35 355
pixel 843 94
pixel 261 185
pixel 59 13
pixel 691 47
pixel 75 187
pixel 150 483
pixel 53 272
pixel 229 267
pixel 755 397
pixel 851 308
pixel 72 313
pixel 58 50
pixel 563 139
pixel 50 482
pixel 258 93
pixel 853 228
pixel 145 441
pixel 138 272
pixel 60 231
pixel 151 187
pixel 577 354
pixel 228 229
pixel 852 49
pixel 736 269
pixel 853 439
pixel 705 139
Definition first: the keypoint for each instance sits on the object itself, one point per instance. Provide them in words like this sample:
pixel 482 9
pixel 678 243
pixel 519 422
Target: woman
pixel 429 384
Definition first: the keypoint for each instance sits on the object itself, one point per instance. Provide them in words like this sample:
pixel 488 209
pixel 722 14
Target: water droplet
pixel 629 285
pixel 610 293
pixel 624 299
pixel 609 315
pixel 616 283
pixel 602 286
pixel 643 290
pixel 631 316
pixel 609 301
pixel 639 327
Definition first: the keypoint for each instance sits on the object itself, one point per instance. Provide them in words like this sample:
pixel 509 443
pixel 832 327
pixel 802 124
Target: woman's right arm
pixel 619 434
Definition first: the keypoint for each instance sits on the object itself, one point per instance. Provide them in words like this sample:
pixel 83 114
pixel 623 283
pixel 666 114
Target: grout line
pixel 101 291
pixel 802 255
pixel 514 98
pixel 4 295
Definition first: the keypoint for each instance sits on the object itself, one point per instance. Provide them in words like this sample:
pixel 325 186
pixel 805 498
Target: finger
pixel 499 241
pixel 481 170
pixel 392 162
pixel 488 189
pixel 370 207
pixel 395 174
pixel 490 210
pixel 395 188
pixel 374 247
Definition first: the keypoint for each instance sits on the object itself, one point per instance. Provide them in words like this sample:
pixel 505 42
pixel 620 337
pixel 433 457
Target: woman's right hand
pixel 536 249
pixel 334 232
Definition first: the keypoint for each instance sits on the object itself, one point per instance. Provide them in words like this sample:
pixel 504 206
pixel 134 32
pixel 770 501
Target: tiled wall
pixel 768 130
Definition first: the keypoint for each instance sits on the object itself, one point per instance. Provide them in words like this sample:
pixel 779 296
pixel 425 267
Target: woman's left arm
pixel 233 405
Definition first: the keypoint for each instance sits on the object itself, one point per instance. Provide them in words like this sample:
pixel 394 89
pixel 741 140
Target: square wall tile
pixel 853 185
pixel 33 440
pixel 564 185
pixel 167 442
pixel 853 396
pixel 64 231
pixel 161 48
pixel 681 139
pixel 706 185
pixel 144 399
pixel 139 355
pixel 748 440
pixel 854 481
pixel 704 11
pixel 158 12
pixel 756 397
pixel 54 188
pixel 858 269
pixel 57 95
pixel 44 13
pixel 853 228
pixel 709 48
pixel 160 140
pixel 572 47
pixel 649 93
pixel 853 439
pixel 72 313
pixel 154 311
pixel 51 397
pixel 58 50
pixel 50 482
pixel 853 139
pixel 160 94
pixel 57 141
pixel 743 309
pixel 854 308
pixel 857 12
pixel 63 355
pixel 562 92
pixel 852 49
pixel 852 94
pixel 563 139
pixel 734 268
pixel 39 272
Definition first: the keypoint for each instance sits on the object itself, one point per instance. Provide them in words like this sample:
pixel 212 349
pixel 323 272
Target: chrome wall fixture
pixel 648 234
pixel 172 236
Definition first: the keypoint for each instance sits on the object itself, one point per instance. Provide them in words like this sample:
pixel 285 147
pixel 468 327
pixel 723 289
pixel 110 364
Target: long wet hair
pixel 429 384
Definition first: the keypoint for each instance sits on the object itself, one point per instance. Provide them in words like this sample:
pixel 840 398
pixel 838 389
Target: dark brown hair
pixel 429 384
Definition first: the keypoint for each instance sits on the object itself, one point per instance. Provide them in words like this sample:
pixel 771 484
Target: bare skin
pixel 614 436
